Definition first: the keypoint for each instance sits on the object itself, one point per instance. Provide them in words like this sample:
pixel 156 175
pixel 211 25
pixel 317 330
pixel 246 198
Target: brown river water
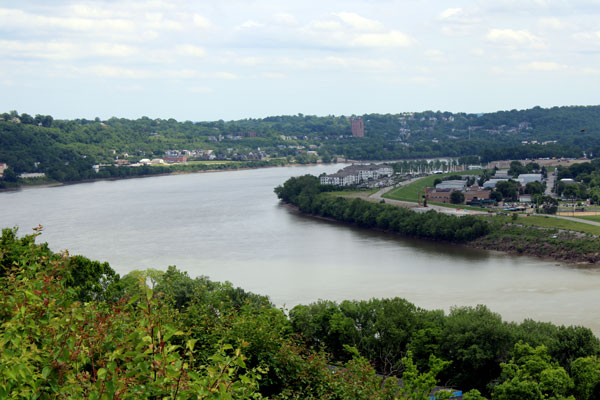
pixel 230 226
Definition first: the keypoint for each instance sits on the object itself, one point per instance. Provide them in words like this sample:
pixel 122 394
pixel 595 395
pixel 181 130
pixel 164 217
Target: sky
pixel 229 59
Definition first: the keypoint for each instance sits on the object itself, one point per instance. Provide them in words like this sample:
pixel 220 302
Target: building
pixel 341 178
pixel 180 158
pixel 358 127
pixel 492 182
pixel 443 195
pixel 32 175
pixel 355 174
pixel 502 174
pixel 526 178
pixel 3 167
pixel 459 185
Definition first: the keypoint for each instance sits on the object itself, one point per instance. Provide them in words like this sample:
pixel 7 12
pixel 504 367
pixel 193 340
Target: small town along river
pixel 230 226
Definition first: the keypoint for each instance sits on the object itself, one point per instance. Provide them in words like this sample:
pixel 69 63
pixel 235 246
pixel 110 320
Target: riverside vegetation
pixel 66 150
pixel 72 327
pixel 489 232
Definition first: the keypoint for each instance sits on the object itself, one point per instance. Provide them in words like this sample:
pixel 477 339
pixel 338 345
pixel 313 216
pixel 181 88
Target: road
pixel 377 197
pixel 550 185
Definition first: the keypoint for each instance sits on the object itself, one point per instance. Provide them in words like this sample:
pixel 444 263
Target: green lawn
pixel 461 206
pixel 348 192
pixel 550 222
pixel 211 162
pixel 595 218
pixel 413 191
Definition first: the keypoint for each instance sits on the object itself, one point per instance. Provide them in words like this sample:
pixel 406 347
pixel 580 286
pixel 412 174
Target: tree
pixel 586 376
pixel 509 189
pixel 547 204
pixel 457 197
pixel 10 175
pixel 496 196
pixel 532 375
pixel 534 188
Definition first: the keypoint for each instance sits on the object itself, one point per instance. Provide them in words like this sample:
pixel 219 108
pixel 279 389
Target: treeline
pixel 70 326
pixel 488 354
pixel 309 196
pixel 42 143
pixel 586 181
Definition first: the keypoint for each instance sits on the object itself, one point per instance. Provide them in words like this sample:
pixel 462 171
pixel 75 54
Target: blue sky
pixel 231 59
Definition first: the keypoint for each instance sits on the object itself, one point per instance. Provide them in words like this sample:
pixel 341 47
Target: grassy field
pixel 595 218
pixel 211 162
pixel 413 191
pixel 348 192
pixel 552 223
pixel 458 206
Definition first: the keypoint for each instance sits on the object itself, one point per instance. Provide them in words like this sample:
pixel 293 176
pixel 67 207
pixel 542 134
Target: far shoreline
pixel 118 178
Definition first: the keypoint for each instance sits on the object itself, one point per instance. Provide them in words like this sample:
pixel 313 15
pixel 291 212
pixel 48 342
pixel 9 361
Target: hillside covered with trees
pixel 66 149
pixel 72 327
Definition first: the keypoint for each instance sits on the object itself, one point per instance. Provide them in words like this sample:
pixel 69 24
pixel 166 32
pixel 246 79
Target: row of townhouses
pixel 355 174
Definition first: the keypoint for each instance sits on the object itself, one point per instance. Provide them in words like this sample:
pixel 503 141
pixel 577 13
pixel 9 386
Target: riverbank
pixel 479 231
pixel 118 178
pixel 564 246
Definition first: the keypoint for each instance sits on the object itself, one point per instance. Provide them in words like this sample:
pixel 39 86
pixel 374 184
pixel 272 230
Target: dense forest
pixel 72 327
pixel 66 149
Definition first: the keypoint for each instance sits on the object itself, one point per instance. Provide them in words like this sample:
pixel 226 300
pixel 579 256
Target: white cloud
pixel 551 23
pixel 389 39
pixel 112 50
pixel 250 24
pixel 200 89
pixel 458 22
pixel 225 75
pixel 586 36
pixel 326 25
pixel 336 62
pixel 450 13
pixel 543 66
pixel 250 61
pixel 190 50
pixel 273 75
pixel 109 71
pixel 360 23
pixel 63 50
pixel 285 19
pixel 512 38
pixel 90 11
pixel 435 55
pixel 201 22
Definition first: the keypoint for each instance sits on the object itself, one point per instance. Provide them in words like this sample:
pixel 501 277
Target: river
pixel 230 226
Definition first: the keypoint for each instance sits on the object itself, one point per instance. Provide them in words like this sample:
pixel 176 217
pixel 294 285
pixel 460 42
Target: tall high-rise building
pixel 358 127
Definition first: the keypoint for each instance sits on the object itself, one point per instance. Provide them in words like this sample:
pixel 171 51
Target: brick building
pixel 358 127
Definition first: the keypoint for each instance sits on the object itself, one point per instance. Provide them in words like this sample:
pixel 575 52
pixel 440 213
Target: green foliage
pixel 457 197
pixel 530 374
pixel 508 189
pixel 306 193
pixel 66 149
pixel 70 328
pixel 586 377
pixel 55 347
pixel 416 386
